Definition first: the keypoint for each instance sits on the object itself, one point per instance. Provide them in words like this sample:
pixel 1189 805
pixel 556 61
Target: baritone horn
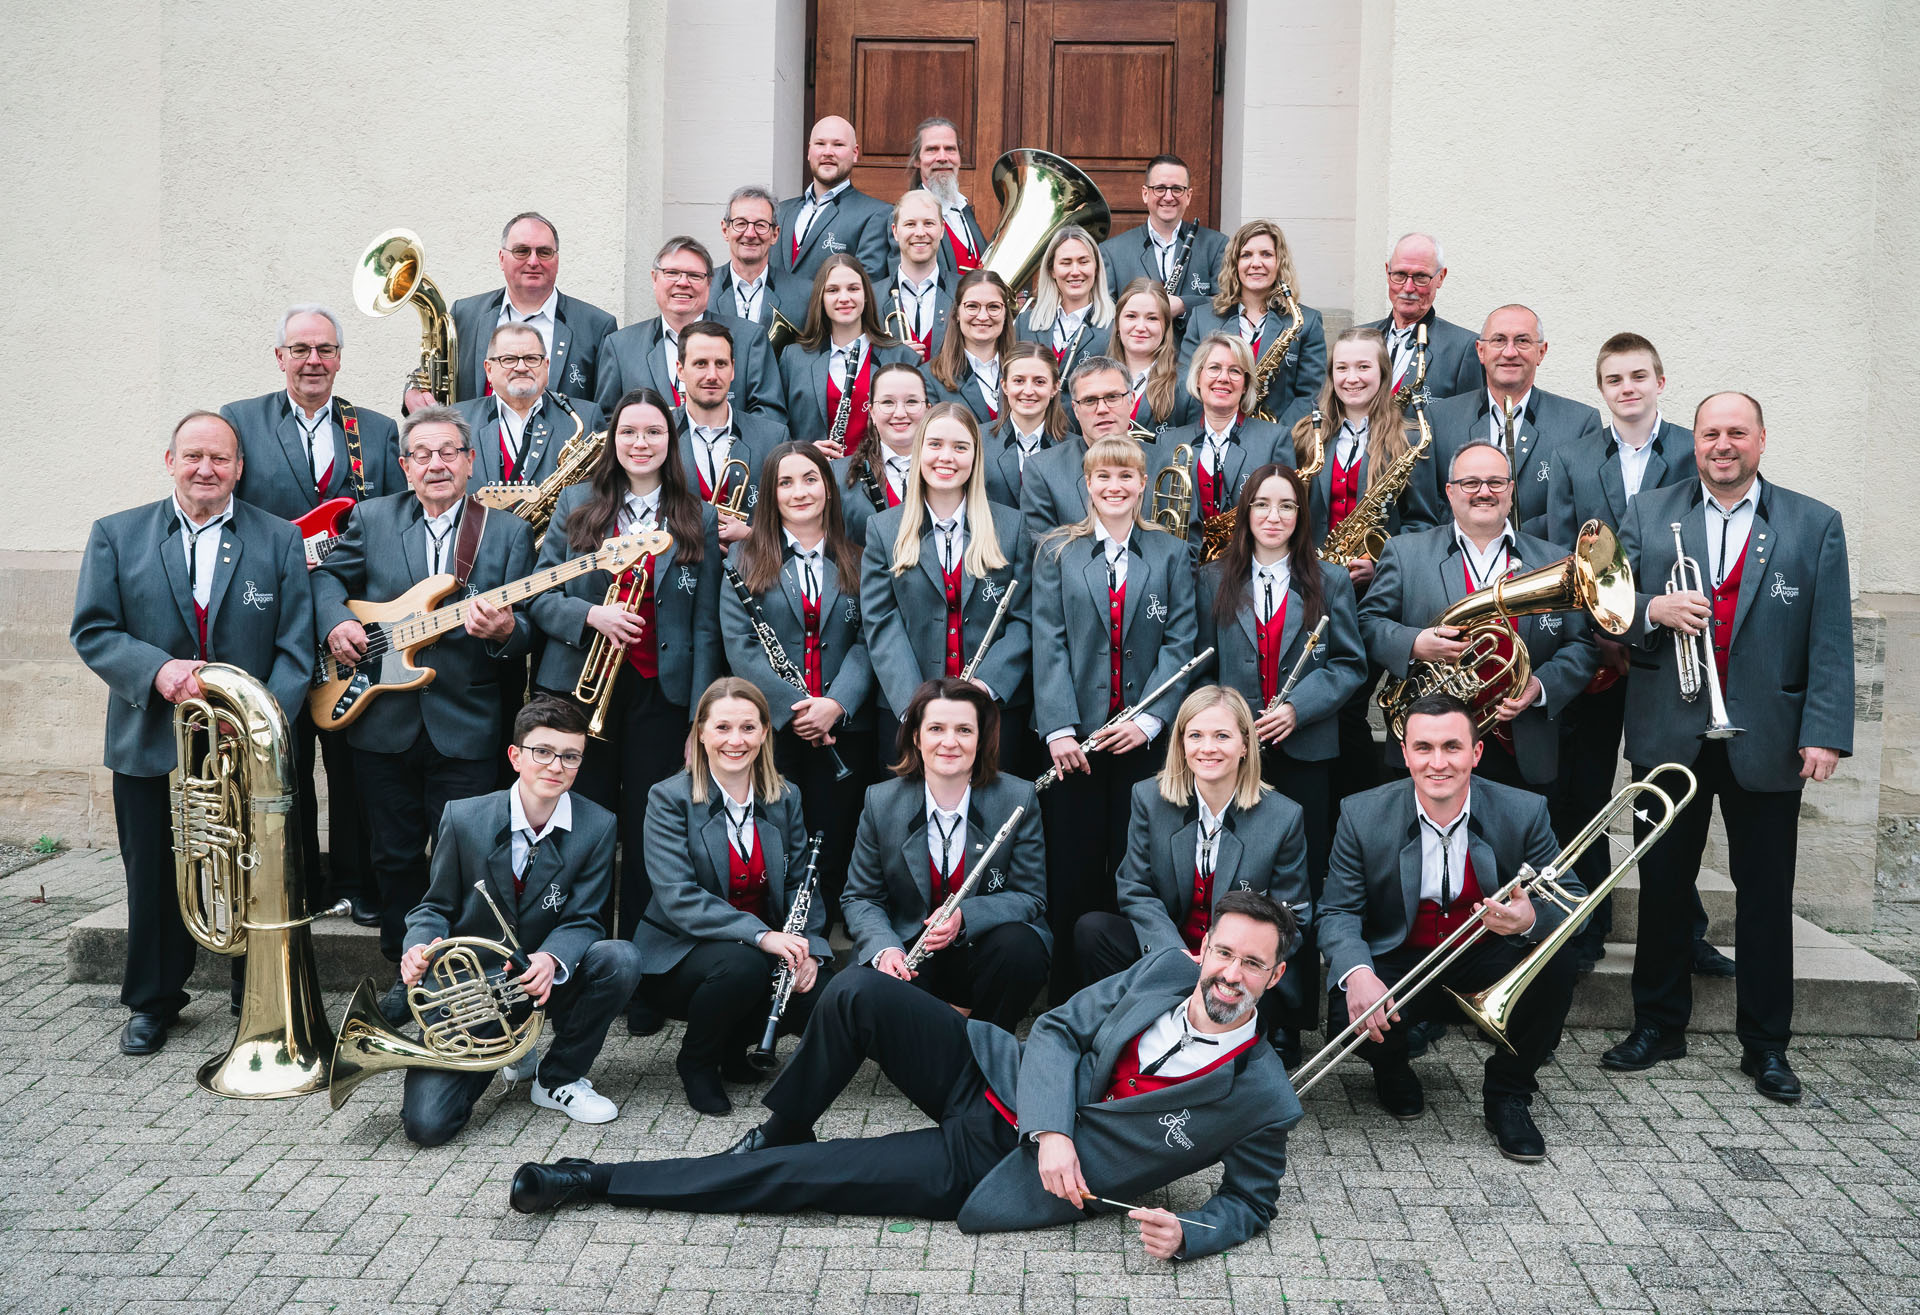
pixel 1040 193
pixel 388 276
pixel 237 869
pixel 1173 493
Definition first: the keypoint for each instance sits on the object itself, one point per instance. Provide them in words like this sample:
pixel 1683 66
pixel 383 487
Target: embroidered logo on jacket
pixel 831 244
pixel 1785 592
pixel 990 591
pixel 554 898
pixel 995 879
pixel 1156 610
pixel 686 584
pixel 1549 622
pixel 1176 1126
pixel 851 612
pixel 258 600
pixel 576 376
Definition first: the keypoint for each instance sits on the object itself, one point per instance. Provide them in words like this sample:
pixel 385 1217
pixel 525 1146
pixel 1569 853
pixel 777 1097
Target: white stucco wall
pixel 1735 183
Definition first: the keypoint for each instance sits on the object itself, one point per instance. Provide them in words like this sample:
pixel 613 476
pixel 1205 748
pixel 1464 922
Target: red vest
pixel 1726 601
pixel 1344 489
pixel 506 454
pixel 1207 488
pixel 862 395
pixel 951 581
pixel 1431 926
pixel 1116 617
pixel 886 485
pixel 810 664
pixel 1127 1080
pixel 747 881
pixel 943 886
pixel 1269 634
pixel 964 256
pixel 200 618
pixel 643 655
pixel 1199 917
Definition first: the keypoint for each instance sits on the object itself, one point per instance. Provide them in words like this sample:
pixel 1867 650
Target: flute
pixel 1299 668
pixel 993 627
pixel 944 914
pixel 1052 774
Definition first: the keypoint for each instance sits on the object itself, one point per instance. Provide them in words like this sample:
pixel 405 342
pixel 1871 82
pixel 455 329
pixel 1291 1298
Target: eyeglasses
pixel 693 276
pixel 1223 956
pixel 1399 278
pixel 422 456
pixel 300 351
pixel 1500 342
pixel 1214 370
pixel 530 361
pixel 1470 486
pixel 1168 189
pixel 653 433
pixel 761 227
pixel 898 404
pixel 1103 401
pixel 546 754
pixel 522 252
pixel 1286 508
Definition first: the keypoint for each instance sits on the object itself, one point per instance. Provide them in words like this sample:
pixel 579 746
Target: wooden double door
pixel 1108 84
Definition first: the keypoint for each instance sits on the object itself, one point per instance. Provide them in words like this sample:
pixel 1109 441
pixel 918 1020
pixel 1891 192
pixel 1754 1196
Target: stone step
pixel 1839 990
pixel 342 951
pixel 1716 896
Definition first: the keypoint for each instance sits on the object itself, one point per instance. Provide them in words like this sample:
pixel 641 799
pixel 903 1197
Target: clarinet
pixel 777 655
pixel 993 628
pixel 1180 261
pixel 843 414
pixel 761 1058
pixel 871 483
pixel 1125 715
pixel 1299 668
pixel 944 914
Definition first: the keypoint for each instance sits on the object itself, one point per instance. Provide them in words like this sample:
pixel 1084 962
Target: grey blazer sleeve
pixel 558 612
pixel 293 646
pixel 1247 1198
pixel 1343 902
pixel 1826 719
pixel 875 247
pixel 677 892
pixel 1389 641
pixel 1311 370
pixel 1541 849
pixel 519 565
pixel 341 576
pixel 863 902
pixel 434 916
pixel 767 397
pixel 1176 641
pixel 888 647
pixel 99 632
pixel 1047 1095
pixel 1633 530
pixel 749 661
pixel 1139 903
pixel 1327 687
pixel 1055 705
pixel 1008 659
pixel 709 656
pixel 593 880
pixel 1288 880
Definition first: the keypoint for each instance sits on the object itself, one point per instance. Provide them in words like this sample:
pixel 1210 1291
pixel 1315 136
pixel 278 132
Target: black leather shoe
pixel 757 1139
pixel 541 1187
pixel 362 913
pixel 644 1020
pixel 393 1005
pixel 1511 1123
pixel 1399 1091
pixel 1643 1048
pixel 736 1069
pixel 1709 962
pixel 144 1034
pixel 1286 1044
pixel 1772 1076
pixel 704 1091
pixel 1422 1035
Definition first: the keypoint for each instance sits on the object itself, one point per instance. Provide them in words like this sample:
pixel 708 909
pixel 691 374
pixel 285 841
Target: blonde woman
pixel 1143 340
pixel 1071 305
pixel 1227 444
pixel 725 844
pixel 1247 303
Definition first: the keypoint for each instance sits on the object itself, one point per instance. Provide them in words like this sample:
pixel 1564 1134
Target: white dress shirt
pixel 1213 448
pixel 1633 460
pixel 917 300
pixel 837 359
pixel 987 374
pixel 317 431
pixel 747 293
pixel 949 536
pixel 808 563
pixel 1027 445
pixel 513 427
pixel 896 466
pixel 1195 1050
pixel 1351 445
pixel 542 319
pixel 1277 573
pixel 1485 565
pixel 440 534
pixel 1727 531
pixel 1067 324
pixel 638 512
pixel 1206 845
pixel 670 356
pixel 955 218
pixel 1400 347
pixel 524 836
pixel 947 831
pixel 1163 251
pixel 711 444
pixel 200 544
pixel 1497 421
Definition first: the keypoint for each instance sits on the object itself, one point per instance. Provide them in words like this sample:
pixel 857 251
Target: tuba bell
pixel 237 874
pixel 1040 193
pixel 387 277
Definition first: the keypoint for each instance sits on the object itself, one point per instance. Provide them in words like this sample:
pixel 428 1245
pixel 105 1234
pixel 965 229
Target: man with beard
pixel 832 215
pixel 520 429
pixel 1141 1079
pixel 934 164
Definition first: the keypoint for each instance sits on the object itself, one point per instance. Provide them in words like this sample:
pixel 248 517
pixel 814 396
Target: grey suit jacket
pixel 852 221
pixel 1053 492
pixel 1090 341
pixel 686 601
pixel 1301 372
pixel 846 672
pixel 579 329
pixel 1548 424
pixel 1131 256
pixel 382 554
pixel 548 430
pixel 567 880
pixel 277 475
pixel 1453 363
pixel 1421 574
pixel 133 613
pixel 632 358
pixel 1337 668
pixel 856 504
pixel 1585 484
pixel 809 418
pixel 755 435
pixel 1236 1116
pixel 949 269
pixel 1790 676
pixel 1372 893
pixel 906 614
pixel 687 862
pixel 888 896
pixel 942 307
pixel 1262 849
pixel 968 394
pixel 1072 637
pixel 1005 481
pixel 784 293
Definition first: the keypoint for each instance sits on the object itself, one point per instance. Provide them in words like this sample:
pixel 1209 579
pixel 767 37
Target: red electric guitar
pixel 320 528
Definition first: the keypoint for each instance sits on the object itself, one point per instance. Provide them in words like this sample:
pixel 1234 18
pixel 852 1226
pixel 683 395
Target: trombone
pixel 1173 493
pixel 1492 1009
pixel 1694 652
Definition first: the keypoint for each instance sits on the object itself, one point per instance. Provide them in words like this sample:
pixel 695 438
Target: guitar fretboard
pixel 429 626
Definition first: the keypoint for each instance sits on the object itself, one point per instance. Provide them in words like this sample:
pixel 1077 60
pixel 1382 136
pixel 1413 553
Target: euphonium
pixel 1040 193
pixel 389 276
pixel 1595 577
pixel 472 1019
pixel 237 873
pixel 534 503
pixel 605 658
pixel 1173 493
pixel 1276 353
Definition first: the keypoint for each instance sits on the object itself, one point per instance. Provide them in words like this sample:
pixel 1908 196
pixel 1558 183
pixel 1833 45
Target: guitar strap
pixel 350 426
pixel 473 523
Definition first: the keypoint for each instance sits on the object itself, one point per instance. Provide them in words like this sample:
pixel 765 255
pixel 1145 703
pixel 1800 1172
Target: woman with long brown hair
pixel 968 366
pixel 1032 420
pixel 1144 342
pixel 1247 303
pixel 842 342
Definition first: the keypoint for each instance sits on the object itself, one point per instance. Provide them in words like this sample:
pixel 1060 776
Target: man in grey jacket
pixel 1149 1076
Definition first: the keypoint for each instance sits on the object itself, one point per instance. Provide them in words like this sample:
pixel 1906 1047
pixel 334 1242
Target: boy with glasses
pixel 546 859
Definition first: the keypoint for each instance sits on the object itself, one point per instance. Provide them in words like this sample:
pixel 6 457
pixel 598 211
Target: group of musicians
pixel 916 601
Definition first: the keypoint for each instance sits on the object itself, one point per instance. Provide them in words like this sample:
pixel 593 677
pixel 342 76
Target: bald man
pixel 1416 267
pixel 832 214
pixel 1529 424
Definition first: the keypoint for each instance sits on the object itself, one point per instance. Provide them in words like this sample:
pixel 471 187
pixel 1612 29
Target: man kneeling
pixel 1141 1079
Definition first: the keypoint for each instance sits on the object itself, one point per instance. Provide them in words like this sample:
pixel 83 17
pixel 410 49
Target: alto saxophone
pixel 1276 354
pixel 1364 532
pixel 534 503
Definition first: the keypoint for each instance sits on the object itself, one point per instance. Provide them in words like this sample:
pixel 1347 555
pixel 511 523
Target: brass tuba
pixel 237 873
pixel 1040 193
pixel 1595 577
pixel 388 276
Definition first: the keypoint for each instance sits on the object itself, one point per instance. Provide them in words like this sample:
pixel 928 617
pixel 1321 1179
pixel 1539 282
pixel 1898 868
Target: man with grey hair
pixel 1416 267
pixel 1526 423
pixel 934 165
pixel 1053 492
pixel 571 329
pixel 306 448
pixel 749 286
pixel 416 749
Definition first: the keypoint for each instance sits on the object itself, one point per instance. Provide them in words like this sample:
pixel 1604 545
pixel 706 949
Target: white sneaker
pixel 578 1101
pixel 521 1069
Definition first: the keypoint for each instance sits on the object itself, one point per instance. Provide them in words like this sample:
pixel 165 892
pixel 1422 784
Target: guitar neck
pixel 425 628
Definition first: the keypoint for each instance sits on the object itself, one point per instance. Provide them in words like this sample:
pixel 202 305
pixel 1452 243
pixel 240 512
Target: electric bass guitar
pixel 322 527
pixel 398 629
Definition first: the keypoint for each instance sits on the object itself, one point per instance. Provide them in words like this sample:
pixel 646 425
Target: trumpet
pixel 1694 653
pixel 734 502
pixel 1173 493
pixel 605 658
pixel 1492 1009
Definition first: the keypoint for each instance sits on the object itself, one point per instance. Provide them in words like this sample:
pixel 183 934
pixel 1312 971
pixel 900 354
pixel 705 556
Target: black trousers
pixel 995 976
pixel 349 862
pixel 646 743
pixel 159 950
pixel 1357 767
pixel 1537 1018
pixel 921 1046
pixel 1086 815
pixel 1106 943
pixel 404 795
pixel 435 1106
pixel 511 674
pixel 1309 784
pixel 826 804
pixel 723 989
pixel 1763 829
